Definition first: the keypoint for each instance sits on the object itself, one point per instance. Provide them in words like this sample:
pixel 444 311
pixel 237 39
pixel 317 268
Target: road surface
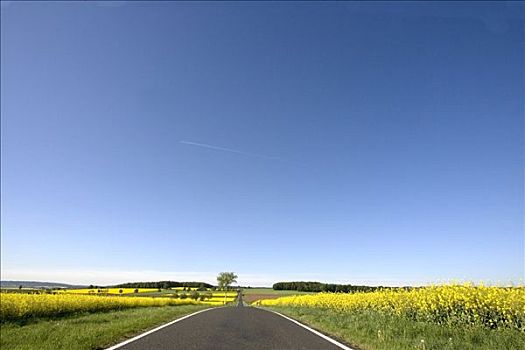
pixel 232 328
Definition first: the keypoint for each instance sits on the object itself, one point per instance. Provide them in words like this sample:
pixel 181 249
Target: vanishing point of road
pixel 232 328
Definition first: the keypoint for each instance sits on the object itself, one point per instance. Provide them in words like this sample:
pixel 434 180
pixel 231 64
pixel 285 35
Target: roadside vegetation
pixel 22 306
pixel 88 331
pixel 373 330
pixel 437 317
pixel 96 317
pixel 17 307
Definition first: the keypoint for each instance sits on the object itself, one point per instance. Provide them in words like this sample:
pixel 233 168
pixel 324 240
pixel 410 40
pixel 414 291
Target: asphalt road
pixel 232 328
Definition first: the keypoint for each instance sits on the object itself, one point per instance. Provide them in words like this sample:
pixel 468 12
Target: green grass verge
pixel 369 330
pixel 89 331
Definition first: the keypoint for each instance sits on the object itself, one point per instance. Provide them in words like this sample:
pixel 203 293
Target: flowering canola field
pixel 19 306
pixel 493 307
pixel 220 298
pixel 108 290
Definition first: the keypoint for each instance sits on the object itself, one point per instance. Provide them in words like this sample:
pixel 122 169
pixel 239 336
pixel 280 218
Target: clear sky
pixel 378 143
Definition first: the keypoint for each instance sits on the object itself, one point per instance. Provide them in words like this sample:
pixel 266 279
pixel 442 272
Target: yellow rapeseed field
pixel 492 307
pixel 108 290
pixel 218 300
pixel 18 305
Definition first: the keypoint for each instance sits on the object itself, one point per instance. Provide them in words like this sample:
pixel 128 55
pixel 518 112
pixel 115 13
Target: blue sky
pixel 378 143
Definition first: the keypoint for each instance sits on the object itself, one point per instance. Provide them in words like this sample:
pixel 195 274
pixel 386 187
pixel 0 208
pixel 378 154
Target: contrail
pixel 224 149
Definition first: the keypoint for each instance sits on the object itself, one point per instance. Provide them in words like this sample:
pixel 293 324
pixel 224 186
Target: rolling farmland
pixel 207 296
pixel 434 317
pixel 251 295
pixel 108 290
pixel 31 314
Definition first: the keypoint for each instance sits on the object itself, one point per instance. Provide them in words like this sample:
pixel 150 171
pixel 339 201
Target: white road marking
pixel 333 341
pixel 119 345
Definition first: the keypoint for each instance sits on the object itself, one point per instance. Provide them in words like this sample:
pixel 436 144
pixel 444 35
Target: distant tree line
pixel 165 285
pixel 323 287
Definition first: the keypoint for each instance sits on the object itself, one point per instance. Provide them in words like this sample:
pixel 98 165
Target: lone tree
pixel 225 279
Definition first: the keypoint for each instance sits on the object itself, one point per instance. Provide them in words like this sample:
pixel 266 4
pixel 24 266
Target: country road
pixel 232 328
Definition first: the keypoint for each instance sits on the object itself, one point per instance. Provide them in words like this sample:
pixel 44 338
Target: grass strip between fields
pixel 89 331
pixel 370 330
pixel 268 291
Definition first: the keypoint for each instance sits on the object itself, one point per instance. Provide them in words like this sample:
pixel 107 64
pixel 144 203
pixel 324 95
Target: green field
pixel 250 291
pixel 369 330
pixel 89 331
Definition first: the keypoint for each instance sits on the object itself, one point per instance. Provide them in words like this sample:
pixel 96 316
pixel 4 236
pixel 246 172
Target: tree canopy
pixel 225 279
pixel 164 284
pixel 302 286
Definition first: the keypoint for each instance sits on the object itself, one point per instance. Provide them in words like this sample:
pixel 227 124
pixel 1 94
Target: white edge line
pixel 333 341
pixel 158 328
